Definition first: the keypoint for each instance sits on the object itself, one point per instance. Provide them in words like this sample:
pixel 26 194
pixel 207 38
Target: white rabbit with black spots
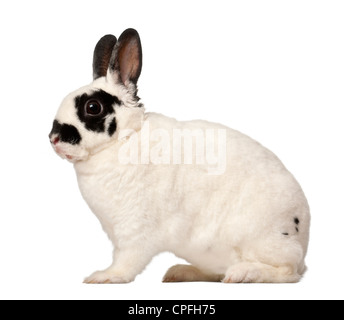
pixel 206 193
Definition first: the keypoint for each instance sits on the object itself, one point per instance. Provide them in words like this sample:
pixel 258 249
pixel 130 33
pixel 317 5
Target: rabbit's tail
pixel 188 273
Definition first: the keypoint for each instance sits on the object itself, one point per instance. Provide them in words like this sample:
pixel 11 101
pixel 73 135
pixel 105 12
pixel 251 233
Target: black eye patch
pixel 96 122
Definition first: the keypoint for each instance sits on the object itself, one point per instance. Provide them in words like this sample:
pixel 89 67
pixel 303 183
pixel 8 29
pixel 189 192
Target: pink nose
pixel 55 141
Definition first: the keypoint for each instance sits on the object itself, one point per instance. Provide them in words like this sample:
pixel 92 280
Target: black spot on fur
pixel 297 221
pixel 112 127
pixel 56 128
pixel 96 122
pixel 285 234
pixel 297 229
pixel 66 132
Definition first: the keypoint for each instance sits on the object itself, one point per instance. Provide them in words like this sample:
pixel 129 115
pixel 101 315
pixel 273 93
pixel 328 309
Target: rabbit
pixel 245 221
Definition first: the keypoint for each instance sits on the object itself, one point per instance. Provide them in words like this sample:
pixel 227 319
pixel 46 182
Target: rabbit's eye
pixel 93 108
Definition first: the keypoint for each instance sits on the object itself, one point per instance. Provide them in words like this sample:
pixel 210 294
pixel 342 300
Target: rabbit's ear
pixel 126 60
pixel 102 55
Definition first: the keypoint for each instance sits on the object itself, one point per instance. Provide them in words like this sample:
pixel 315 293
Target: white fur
pixel 227 225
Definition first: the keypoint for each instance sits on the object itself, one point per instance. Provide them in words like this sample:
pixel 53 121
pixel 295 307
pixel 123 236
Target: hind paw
pixel 242 273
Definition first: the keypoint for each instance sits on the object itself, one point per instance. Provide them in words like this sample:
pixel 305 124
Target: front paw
pixel 100 277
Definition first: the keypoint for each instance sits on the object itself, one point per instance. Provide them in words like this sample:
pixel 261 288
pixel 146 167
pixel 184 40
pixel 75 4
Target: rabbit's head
pixel 88 119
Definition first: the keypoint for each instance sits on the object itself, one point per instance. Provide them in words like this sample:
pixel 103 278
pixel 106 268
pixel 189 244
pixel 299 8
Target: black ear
pixel 126 58
pixel 102 55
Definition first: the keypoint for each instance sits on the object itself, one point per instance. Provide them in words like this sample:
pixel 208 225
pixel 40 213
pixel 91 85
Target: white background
pixel 271 69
